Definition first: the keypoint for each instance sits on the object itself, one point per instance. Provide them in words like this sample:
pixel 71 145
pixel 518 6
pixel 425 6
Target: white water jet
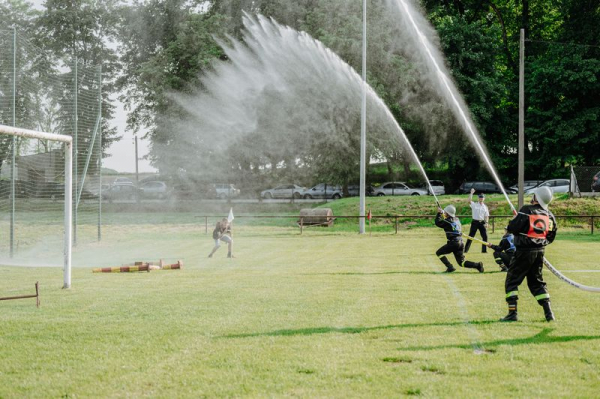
pixel 432 57
pixel 285 85
pixel 459 107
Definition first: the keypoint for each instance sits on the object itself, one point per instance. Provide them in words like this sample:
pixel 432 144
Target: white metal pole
pixel 68 213
pixel 137 173
pixel 14 148
pixel 521 169
pixel 363 125
pixel 75 152
pixel 100 160
pixel 34 134
pixel 68 140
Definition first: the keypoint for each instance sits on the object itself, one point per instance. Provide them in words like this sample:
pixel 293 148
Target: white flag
pixel 230 217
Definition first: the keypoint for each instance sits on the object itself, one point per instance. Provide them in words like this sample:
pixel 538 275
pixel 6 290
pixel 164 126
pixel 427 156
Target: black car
pixel 481 187
pixel 596 183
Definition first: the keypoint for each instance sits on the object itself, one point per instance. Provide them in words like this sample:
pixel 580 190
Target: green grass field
pixel 323 314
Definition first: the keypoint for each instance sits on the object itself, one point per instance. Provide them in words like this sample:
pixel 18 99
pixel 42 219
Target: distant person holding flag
pixel 222 232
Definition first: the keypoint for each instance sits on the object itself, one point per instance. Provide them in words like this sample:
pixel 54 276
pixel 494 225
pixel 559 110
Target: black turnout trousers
pixel 453 247
pixel 503 258
pixel 526 264
pixel 477 225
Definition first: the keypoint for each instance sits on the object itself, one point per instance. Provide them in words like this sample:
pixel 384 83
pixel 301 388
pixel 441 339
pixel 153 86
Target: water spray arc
pixel 451 90
pixel 306 90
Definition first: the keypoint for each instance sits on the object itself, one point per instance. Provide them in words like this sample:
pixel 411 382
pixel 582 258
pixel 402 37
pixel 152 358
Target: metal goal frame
pixel 68 141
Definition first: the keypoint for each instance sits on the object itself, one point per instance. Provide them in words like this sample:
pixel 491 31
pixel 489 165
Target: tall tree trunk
pixel 511 62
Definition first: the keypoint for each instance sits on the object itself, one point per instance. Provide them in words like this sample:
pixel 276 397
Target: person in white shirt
pixel 481 216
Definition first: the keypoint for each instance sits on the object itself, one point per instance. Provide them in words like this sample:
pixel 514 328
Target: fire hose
pixel 549 267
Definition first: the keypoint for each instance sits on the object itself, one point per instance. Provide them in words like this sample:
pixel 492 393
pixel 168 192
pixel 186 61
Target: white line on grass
pixel 478 348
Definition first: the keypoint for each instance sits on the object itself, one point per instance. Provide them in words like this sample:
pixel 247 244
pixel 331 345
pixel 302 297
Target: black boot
pixel 472 265
pixel 480 267
pixel 446 262
pixel 548 311
pixel 512 313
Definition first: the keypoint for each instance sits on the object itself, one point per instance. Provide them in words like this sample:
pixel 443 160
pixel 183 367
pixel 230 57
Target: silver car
pixel 556 185
pixel 437 186
pixel 284 191
pixel 323 190
pixel 155 189
pixel 397 188
pixel 225 190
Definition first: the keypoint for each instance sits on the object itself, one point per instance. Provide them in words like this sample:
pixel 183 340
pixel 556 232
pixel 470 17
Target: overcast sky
pixel 122 152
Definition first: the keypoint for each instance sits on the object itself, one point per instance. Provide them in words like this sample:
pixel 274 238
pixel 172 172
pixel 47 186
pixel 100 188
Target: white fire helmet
pixel 543 195
pixel 450 210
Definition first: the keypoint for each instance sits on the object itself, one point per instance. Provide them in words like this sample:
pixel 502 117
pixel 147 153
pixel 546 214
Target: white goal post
pixel 68 141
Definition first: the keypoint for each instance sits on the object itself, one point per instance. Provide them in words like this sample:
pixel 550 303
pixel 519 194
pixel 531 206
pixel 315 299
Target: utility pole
pixel 521 181
pixel 363 127
pixel 13 162
pixel 137 174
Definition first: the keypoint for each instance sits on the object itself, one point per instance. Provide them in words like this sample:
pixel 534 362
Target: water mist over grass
pixel 281 91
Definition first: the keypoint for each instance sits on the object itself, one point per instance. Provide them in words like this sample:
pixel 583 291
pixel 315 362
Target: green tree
pixel 82 30
pixel 166 44
pixel 562 87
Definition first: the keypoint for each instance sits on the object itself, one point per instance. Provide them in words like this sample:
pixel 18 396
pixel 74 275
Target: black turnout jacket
pixel 451 226
pixel 533 227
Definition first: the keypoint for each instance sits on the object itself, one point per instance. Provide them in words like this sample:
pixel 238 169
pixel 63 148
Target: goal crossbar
pixel 68 140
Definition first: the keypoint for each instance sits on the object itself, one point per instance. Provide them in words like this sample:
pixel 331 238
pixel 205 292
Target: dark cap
pixel 481 195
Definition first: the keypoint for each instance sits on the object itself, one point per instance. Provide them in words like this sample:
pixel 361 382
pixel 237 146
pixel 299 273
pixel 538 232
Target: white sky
pixel 122 152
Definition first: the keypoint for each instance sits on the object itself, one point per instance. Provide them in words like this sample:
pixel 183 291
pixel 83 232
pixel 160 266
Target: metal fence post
pixel 592 224
pixel 396 224
pixel 205 224
pixel 493 225
pixel 301 224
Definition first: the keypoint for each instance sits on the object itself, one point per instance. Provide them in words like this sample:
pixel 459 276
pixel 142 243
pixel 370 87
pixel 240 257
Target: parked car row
pixel 123 188
pixel 320 191
pixel 556 185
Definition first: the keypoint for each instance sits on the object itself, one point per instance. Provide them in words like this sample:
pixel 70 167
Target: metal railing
pixel 396 218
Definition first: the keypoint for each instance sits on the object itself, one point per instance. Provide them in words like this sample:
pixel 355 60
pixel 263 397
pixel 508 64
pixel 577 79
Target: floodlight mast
pixel 68 140
pixel 363 126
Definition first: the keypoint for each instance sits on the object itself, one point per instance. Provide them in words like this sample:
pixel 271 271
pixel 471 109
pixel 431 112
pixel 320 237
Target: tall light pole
pixel 363 125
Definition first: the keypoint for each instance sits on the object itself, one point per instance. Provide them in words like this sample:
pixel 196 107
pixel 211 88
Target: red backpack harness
pixel 539 226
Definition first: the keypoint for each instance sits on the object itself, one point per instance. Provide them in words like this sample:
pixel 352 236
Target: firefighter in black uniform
pixel 534 227
pixel 504 251
pixel 447 220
